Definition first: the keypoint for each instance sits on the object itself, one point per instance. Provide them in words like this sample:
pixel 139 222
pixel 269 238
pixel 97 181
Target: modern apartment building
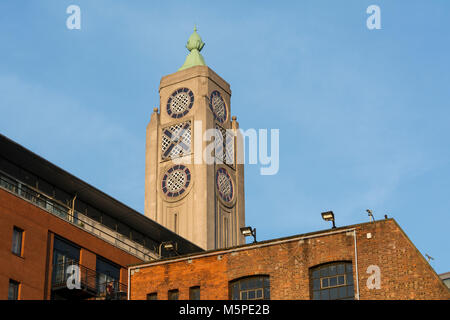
pixel 50 220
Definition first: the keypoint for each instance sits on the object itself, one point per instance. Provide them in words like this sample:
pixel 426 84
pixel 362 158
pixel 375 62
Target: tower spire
pixel 194 45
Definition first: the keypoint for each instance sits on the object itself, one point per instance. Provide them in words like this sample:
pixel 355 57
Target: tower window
pixel 333 281
pixel 176 140
pixel 217 106
pixel 250 288
pixel 175 181
pixel 224 146
pixel 180 102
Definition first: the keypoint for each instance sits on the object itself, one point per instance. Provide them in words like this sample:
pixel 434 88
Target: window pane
pixel 333 293
pixel 17 241
pixel 63 196
pixel 316 284
pixel 251 294
pixel 315 274
pixel 333 282
pixel 341 269
pixel 152 296
pixel 194 293
pixel 349 268
pixel 325 283
pixel 106 267
pixel 137 237
pixel 325 295
pixel 342 292
pixel 80 206
pixel 350 291
pixel 333 270
pixel 267 293
pixel 66 249
pixel 341 280
pixel 349 278
pixel 316 295
pixel 244 295
pixel 13 292
pixel 252 283
pixel 94 214
pixel 173 295
pixel 110 223
pixel 123 229
pixel 259 294
pixel 324 272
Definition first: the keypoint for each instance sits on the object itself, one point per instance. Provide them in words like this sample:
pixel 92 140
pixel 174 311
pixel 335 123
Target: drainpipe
pixel 128 285
pixel 356 266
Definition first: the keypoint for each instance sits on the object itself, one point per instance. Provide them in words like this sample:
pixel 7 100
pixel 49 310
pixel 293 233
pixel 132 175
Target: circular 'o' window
pixel 180 102
pixel 175 181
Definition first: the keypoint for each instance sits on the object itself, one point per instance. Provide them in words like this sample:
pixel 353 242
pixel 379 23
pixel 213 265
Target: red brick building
pixel 50 220
pixel 367 261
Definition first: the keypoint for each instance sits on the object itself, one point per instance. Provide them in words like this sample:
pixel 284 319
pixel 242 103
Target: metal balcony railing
pixel 85 283
pixel 75 218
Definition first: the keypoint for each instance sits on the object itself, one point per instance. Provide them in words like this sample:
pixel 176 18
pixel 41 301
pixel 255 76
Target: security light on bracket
pixel 248 231
pixel 329 216
pixel 168 246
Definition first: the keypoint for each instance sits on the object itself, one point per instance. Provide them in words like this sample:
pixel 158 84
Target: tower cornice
pixel 194 72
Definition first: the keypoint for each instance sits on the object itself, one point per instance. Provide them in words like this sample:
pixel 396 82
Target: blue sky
pixel 363 115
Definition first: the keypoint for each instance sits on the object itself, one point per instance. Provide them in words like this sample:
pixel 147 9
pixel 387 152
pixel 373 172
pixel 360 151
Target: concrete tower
pixel 194 184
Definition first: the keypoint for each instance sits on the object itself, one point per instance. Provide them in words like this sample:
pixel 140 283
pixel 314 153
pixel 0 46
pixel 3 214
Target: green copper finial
pixel 194 45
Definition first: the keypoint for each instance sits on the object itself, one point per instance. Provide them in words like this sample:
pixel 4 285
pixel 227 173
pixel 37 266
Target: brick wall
pixel 404 272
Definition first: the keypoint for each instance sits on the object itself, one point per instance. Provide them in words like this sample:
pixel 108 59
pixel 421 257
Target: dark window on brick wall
pixel 17 240
pixel 173 294
pixel 332 281
pixel 152 296
pixel 250 288
pixel 194 293
pixel 13 291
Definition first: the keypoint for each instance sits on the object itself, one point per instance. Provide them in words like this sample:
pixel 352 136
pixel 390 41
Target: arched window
pixel 332 281
pixel 250 288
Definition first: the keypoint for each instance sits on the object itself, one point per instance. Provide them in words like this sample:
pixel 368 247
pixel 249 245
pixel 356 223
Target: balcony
pixel 92 284
pixel 75 218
